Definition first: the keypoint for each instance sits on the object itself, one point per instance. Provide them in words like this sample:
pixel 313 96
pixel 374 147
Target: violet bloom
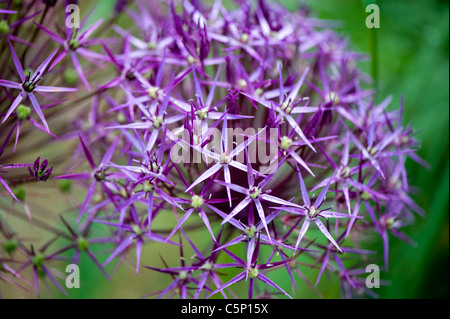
pixel 189 68
pixel 29 85
pixel 75 44
pixel 40 171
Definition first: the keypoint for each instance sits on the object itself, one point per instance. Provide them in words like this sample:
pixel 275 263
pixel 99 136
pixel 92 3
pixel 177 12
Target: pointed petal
pixel 324 231
pixel 17 63
pixel 38 110
pixel 16 103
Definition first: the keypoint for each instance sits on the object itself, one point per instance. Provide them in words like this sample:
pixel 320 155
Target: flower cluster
pixel 174 108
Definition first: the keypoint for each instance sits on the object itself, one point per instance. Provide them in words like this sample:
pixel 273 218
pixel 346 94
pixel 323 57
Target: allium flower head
pixel 252 128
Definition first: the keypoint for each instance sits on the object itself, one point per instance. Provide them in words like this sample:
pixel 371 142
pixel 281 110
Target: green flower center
pixel 153 92
pixel 286 142
pixel 74 44
pixel 225 158
pixel 202 114
pixel 100 175
pixel 137 230
pixel 28 86
pixel 191 59
pixel 83 244
pixel 183 275
pixel 251 231
pixel 38 260
pixel 196 201
pixel 366 196
pixel 147 187
pixel 313 212
pixel 345 171
pixel 151 45
pixel 372 150
pixel 244 37
pixel 207 266
pixel 333 97
pixel 390 222
pixel 254 192
pixel 157 121
pixel 242 83
pixel 253 272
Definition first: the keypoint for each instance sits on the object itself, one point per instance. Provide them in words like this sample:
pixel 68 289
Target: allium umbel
pixel 252 126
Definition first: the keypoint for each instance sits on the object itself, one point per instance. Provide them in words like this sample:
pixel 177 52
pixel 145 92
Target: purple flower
pixel 40 173
pixel 181 78
pixel 29 85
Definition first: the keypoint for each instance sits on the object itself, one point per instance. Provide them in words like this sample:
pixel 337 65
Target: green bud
pixel 121 118
pixel 97 198
pixel 11 245
pixel 4 27
pixel 23 111
pixel 83 244
pixel 71 76
pixel 20 193
pixel 38 260
pixel 372 150
pixel 65 185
